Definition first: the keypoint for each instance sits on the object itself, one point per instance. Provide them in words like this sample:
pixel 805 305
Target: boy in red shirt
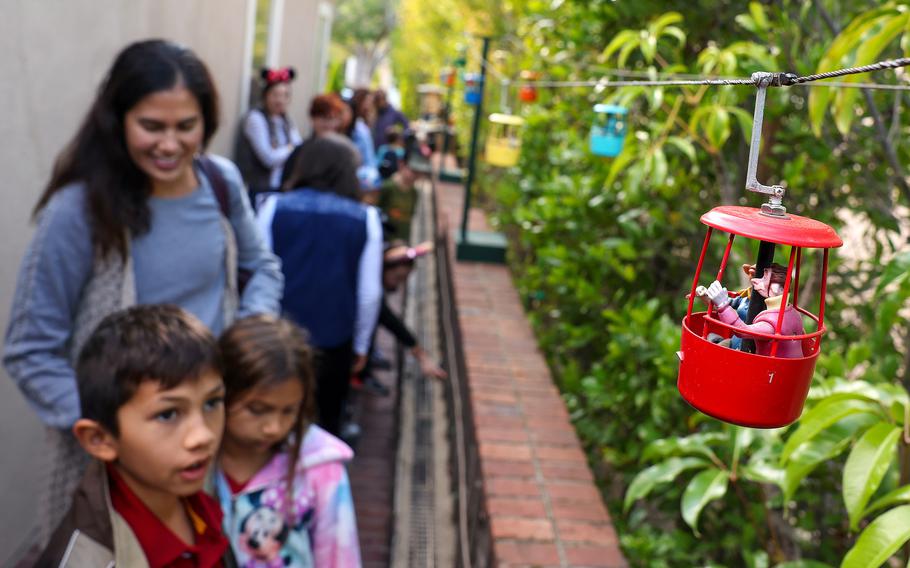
pixel 151 393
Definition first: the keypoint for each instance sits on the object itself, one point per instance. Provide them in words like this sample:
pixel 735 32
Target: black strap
pixel 218 183
pixel 220 189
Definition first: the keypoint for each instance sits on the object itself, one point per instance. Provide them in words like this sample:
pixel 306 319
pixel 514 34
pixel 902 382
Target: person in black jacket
pixel 398 261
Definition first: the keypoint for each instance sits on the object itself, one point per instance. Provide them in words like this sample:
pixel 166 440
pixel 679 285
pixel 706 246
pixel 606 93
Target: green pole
pixel 475 130
pixel 448 113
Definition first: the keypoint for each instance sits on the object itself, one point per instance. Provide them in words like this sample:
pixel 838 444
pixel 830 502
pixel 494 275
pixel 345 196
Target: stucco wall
pixel 53 54
pixel 301 47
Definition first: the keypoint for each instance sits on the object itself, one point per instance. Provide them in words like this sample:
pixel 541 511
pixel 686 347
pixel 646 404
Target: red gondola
pixel 744 388
pixel 747 388
pixel 527 93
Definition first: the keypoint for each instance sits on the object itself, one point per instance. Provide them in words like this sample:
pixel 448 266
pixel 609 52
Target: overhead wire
pixel 682 79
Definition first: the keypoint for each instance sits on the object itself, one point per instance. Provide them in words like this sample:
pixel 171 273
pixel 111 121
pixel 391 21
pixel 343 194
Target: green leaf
pixel 625 52
pixel 684 146
pixel 745 121
pixel 620 162
pixel 758 15
pixel 896 271
pixel 882 538
pixel 658 25
pixel 830 410
pixel 803 564
pixel 866 36
pixel 648 46
pixel 619 40
pixel 718 129
pixel 659 171
pixel 899 495
pixel 866 466
pixel 762 473
pixel 696 444
pixel 677 33
pixel 825 446
pixel 705 487
pixel 664 472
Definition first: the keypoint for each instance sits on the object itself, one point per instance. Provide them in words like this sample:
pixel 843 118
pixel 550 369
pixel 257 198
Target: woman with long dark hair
pixel 134 213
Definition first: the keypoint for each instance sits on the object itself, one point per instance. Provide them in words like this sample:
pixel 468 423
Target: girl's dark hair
pixel 261 351
pixel 327 163
pixel 358 109
pixel 358 103
pixel 116 189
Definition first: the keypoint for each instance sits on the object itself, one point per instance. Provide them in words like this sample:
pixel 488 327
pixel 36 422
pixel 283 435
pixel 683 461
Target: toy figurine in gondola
pixel 764 383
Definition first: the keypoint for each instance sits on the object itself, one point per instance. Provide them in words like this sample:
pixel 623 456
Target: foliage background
pixel 603 252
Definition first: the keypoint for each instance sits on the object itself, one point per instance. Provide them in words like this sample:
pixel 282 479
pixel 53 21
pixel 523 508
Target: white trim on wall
pixel 246 73
pixel 325 15
pixel 276 22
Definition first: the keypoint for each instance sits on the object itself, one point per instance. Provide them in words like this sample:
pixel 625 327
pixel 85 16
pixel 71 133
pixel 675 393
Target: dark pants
pixel 333 376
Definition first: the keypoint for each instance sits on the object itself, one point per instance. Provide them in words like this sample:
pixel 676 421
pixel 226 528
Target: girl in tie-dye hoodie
pixel 281 480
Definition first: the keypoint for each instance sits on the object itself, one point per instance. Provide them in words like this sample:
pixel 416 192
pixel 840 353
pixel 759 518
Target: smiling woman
pixel 130 216
pixel 163 133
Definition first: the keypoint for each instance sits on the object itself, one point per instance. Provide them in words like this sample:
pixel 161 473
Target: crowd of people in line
pixel 189 329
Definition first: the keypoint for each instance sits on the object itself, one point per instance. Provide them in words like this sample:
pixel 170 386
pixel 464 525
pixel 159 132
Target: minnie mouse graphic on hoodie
pixel 316 529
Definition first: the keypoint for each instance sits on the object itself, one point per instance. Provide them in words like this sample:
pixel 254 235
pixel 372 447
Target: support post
pixel 475 130
pixel 478 246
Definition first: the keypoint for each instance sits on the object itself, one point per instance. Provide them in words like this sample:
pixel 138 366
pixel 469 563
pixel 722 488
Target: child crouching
pixel 281 480
pixel 152 402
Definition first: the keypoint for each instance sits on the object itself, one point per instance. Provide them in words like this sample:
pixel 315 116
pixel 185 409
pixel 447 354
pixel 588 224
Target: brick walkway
pixel 373 469
pixel 543 505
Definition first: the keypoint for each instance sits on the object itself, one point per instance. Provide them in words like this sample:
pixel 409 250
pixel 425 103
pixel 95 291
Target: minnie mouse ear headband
pixel 405 255
pixel 278 75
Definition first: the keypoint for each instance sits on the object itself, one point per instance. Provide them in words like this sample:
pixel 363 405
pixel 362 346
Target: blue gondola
pixel 609 130
pixel 472 88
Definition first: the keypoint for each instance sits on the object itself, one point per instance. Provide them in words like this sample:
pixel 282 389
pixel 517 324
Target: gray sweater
pixel 63 289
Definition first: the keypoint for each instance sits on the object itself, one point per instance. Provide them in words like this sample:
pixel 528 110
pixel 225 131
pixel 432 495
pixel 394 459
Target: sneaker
pixel 372 385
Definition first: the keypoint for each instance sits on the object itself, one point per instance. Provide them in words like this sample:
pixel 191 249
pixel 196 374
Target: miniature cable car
pixel 609 130
pixel 766 388
pixel 431 99
pixel 472 88
pixel 447 77
pixel 504 140
pixel 527 93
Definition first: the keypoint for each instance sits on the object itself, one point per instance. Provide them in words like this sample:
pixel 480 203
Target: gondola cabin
pixel 473 89
pixel 527 93
pixel 764 381
pixel 431 98
pixel 447 77
pixel 609 130
pixel 504 140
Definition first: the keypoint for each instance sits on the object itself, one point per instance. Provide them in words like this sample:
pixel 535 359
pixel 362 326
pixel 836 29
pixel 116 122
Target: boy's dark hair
pixel 161 343
pixel 392 135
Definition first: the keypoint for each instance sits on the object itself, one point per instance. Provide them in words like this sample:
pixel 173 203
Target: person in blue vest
pixel 330 247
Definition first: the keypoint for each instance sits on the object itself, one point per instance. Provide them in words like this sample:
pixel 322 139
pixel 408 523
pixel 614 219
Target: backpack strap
pixel 220 188
pixel 218 183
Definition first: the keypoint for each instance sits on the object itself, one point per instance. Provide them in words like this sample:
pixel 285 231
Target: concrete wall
pixel 302 32
pixel 53 54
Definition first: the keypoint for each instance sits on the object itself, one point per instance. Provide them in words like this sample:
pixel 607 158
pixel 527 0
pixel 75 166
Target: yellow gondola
pixel 504 140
